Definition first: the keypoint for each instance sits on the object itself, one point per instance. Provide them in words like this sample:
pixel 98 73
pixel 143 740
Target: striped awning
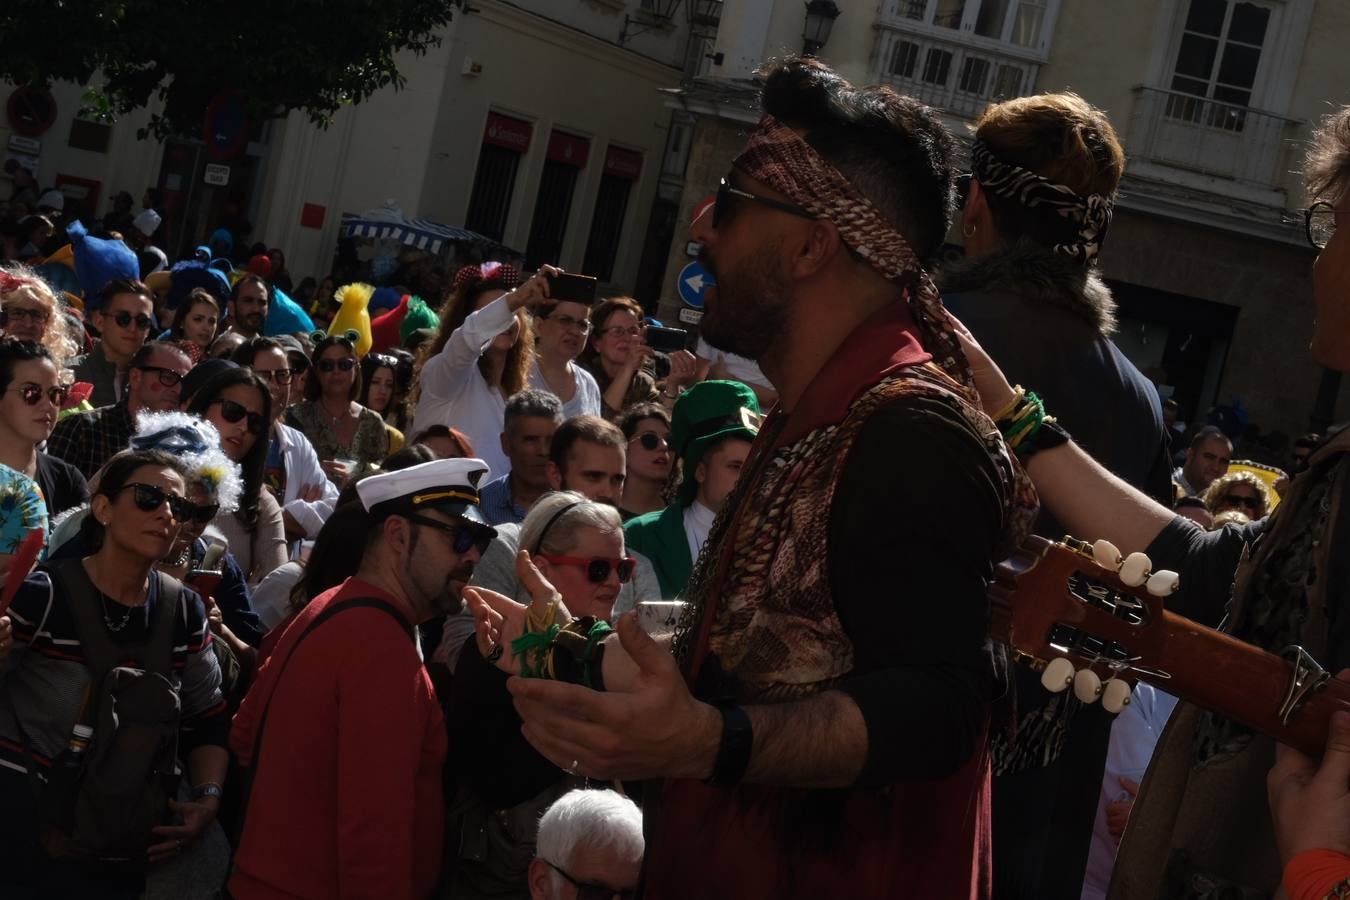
pixel 420 233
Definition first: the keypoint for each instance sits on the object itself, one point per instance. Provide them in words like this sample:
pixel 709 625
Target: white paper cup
pixel 660 617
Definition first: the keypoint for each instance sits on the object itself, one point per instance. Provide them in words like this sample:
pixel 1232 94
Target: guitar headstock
pixel 1081 614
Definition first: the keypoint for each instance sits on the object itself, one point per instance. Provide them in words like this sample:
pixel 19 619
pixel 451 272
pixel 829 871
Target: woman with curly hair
pixel 31 312
pixel 1240 491
pixel 481 355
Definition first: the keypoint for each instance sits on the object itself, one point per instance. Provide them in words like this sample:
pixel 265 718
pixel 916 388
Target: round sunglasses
pixel 650 440
pixel 123 319
pixel 149 498
pixel 233 412
pixel 597 567
pixel 32 394
pixel 346 364
pixel 465 536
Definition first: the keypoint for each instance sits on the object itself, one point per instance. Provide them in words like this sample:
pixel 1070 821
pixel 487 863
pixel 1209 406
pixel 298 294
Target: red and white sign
pixel 568 149
pixel 621 163
pixel 504 131
pixel 700 208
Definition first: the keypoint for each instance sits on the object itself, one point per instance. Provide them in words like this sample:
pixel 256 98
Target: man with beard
pixel 248 306
pixel 821 730
pixel 345 796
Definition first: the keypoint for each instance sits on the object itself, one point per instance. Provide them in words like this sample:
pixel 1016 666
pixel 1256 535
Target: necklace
pixel 117 626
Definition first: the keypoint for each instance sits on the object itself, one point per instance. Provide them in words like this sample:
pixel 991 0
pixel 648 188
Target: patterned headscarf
pixel 779 157
pixel 1085 218
pixel 22 508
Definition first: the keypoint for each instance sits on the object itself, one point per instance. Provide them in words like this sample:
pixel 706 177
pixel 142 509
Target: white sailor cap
pixel 448 485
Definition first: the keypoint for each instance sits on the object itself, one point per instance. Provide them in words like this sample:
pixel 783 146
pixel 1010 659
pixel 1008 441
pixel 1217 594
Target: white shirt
pixel 455 394
pixel 698 520
pixel 302 468
pixel 738 367
pixel 585 400
pixel 272 596
pixel 1134 734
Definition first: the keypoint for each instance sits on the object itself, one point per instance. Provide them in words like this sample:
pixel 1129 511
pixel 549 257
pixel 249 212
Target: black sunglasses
pixel 232 412
pixel 588 891
pixel 650 440
pixel 149 498
pixel 123 319
pixel 280 376
pixel 465 536
pixel 726 191
pixel 167 377
pixel 1239 500
pixel 203 513
pixel 597 567
pixel 32 393
pixel 346 364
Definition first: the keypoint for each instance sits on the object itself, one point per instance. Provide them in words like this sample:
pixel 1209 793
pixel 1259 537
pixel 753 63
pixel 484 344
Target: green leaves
pixel 314 55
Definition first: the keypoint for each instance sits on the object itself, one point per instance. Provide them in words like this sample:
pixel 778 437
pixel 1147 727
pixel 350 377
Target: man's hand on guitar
pixel 1310 800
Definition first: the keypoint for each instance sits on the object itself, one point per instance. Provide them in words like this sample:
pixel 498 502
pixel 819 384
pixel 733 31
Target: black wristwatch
pixel 210 789
pixel 733 754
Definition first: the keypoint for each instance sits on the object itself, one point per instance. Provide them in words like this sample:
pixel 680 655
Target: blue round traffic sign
pixel 694 281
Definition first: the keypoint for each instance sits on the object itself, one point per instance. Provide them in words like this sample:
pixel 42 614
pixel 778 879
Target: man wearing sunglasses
pixel 837 636
pixel 123 318
pixel 344 737
pixel 154 381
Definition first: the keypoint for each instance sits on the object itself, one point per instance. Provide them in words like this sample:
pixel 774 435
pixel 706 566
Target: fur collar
pixel 1038 275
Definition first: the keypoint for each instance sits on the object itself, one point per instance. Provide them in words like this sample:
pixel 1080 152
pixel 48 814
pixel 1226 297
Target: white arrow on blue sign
pixel 693 282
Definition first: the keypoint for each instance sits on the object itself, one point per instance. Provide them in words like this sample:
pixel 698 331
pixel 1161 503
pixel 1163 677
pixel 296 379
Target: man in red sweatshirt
pixel 341 731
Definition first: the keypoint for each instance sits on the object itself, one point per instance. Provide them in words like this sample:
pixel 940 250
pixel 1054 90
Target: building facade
pixel 1214 101
pixel 540 125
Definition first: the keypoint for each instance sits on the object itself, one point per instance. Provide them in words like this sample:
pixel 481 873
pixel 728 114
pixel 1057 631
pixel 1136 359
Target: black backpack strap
pixel 101 653
pixel 158 656
pixel 250 773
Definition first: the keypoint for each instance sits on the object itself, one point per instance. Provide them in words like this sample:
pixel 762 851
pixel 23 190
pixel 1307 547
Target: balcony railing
pixel 953 76
pixel 1235 143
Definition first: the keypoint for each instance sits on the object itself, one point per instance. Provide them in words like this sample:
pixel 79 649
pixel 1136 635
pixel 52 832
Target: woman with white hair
pixel 590 845
pixel 578 546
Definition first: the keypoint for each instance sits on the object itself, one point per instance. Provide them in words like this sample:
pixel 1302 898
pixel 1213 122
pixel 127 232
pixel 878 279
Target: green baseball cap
pixel 705 414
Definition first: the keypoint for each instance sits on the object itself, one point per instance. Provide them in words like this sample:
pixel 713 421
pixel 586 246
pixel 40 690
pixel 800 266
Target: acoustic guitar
pixel 1090 620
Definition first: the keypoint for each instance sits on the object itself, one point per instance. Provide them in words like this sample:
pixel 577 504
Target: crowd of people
pixel 515 605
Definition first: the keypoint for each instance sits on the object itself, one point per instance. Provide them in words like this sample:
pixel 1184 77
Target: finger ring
pixel 495 654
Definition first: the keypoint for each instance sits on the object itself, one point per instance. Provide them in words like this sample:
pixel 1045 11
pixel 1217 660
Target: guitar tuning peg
pixel 1115 695
pixel 1163 582
pixel 1058 675
pixel 1106 555
pixel 1087 686
pixel 1135 570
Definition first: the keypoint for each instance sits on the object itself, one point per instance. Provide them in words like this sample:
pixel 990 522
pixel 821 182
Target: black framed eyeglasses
pixel 597 567
pixel 589 891
pixel 726 191
pixel 167 377
pixel 32 394
pixel 124 318
pixel 346 364
pixel 1319 221
pixel 233 412
pixel 1252 503
pixel 149 498
pixel 19 314
pixel 280 376
pixel 465 536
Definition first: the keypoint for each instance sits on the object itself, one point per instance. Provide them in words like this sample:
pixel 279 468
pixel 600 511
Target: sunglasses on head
pixel 346 364
pixel 149 498
pixel 597 567
pixel 465 537
pixel 167 377
pixel 232 412
pixel 1240 500
pixel 32 394
pixel 280 376
pixel 650 440
pixel 123 319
